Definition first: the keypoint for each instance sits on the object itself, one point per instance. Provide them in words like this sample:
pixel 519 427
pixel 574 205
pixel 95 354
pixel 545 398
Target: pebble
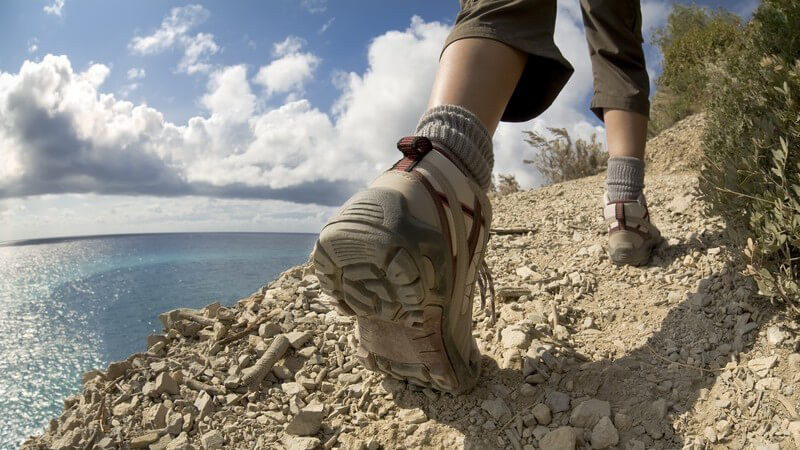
pixel 775 336
pixel 794 431
pixel 497 408
pixel 308 421
pixel 557 401
pixel 623 422
pixel 588 413
pixel 301 443
pixel 562 438
pixel 761 366
pixel 542 414
pixel 604 434
pixel 297 339
pixel 414 415
pixel 212 440
pixel 513 337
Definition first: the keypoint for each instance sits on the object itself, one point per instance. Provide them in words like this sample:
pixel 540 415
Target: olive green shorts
pixel 613 32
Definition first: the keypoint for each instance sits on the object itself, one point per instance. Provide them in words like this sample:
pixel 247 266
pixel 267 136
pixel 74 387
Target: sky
pixel 133 117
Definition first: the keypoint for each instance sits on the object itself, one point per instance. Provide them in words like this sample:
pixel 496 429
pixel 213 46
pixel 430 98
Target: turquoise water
pixel 70 305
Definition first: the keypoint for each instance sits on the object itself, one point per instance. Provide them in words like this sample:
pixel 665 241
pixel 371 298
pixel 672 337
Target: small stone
pixel 524 272
pixel 298 338
pixel 212 440
pixel 349 378
pixel 562 438
pixel 513 337
pixel 623 422
pixel 761 366
pixel 204 405
pixel 308 421
pixel 414 415
pixel 268 330
pixel 166 385
pixel 301 443
pixel 769 384
pixel 155 416
pixel 162 443
pixel 723 428
pixel 121 410
pixel 588 413
pixel 117 369
pixel 557 401
pixel 775 336
pixel 634 444
pixel 174 424
pixel 660 408
pixel 307 352
pixel 710 435
pixel 179 443
pixel 527 390
pixel 542 414
pixel 282 372
pixel 604 434
pixel 794 361
pixel 144 440
pixel 292 388
pixel 497 408
pixel 794 431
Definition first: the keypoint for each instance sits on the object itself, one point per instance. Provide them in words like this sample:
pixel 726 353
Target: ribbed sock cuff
pixel 464 136
pixel 625 178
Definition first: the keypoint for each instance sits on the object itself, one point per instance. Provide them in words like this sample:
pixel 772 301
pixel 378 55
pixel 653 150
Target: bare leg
pixel 626 133
pixel 479 75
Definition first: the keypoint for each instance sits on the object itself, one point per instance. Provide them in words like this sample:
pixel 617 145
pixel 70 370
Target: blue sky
pixel 235 116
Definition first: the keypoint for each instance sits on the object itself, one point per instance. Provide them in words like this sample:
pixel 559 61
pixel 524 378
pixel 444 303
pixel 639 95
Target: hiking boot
pixel 631 236
pixel 403 256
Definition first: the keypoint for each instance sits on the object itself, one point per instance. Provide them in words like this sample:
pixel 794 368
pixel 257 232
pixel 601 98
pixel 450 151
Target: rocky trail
pixel 682 353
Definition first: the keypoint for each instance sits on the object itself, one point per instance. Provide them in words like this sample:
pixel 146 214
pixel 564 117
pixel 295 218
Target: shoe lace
pixel 484 281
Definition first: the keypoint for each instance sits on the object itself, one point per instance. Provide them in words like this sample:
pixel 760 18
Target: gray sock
pixel 464 136
pixel 625 178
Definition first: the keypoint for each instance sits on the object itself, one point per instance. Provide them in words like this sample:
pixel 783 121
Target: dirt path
pixel 679 354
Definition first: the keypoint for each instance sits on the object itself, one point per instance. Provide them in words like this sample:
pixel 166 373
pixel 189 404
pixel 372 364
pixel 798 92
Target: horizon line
pixel 57 239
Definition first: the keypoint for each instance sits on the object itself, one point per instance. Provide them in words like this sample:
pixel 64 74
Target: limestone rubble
pixel 682 353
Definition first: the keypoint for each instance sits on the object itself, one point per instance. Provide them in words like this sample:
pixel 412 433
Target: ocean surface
pixel 71 305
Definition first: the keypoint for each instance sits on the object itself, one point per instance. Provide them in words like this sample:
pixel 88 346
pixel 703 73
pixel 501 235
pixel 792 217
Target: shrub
pixel 692 38
pixel 507 184
pixel 751 172
pixel 557 159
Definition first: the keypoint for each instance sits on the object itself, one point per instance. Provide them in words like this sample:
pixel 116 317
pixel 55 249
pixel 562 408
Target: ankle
pixel 462 136
pixel 625 178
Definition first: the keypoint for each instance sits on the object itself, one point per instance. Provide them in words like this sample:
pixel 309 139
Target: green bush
pixel 751 172
pixel 693 38
pixel 557 159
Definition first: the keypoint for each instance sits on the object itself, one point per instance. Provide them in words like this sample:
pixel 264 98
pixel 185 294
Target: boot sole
pixel 393 273
pixel 633 257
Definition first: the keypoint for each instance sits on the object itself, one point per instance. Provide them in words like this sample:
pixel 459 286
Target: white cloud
pixel 33 45
pixel 287 73
pixel 315 6
pixel 292 44
pixel 55 8
pixel 173 27
pixel 326 25
pixel 174 31
pixel 135 73
pixel 60 134
pixel 654 15
pixel 197 49
pixel 128 89
pixel 229 94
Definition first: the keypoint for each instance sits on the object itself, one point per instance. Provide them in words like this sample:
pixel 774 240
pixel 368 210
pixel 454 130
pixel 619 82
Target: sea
pixel 70 305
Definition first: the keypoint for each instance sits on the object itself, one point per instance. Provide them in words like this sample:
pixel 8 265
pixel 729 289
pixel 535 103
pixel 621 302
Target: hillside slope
pixel 681 353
